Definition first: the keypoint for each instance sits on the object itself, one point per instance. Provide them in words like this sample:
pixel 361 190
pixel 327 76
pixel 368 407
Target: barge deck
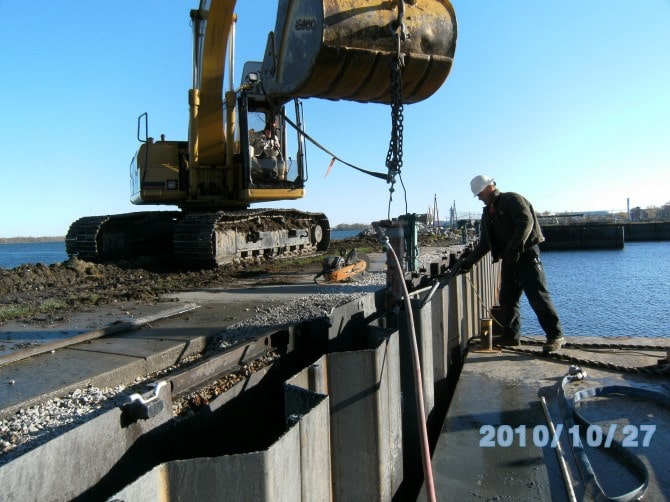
pixel 496 443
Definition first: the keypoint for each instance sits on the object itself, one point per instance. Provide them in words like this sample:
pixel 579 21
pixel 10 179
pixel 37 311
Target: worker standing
pixel 510 230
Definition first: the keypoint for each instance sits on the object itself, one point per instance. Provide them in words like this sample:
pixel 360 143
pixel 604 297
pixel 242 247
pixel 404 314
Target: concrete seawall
pixel 602 235
pixel 647 231
pixel 566 237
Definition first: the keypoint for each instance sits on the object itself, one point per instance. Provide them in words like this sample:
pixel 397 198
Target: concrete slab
pixel 119 358
pixel 51 375
pixel 16 335
pixel 158 353
pixel 487 448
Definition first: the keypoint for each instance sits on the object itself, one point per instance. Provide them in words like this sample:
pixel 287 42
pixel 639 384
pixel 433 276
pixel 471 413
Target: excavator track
pixel 205 240
pixel 199 240
pixel 82 237
pixel 128 236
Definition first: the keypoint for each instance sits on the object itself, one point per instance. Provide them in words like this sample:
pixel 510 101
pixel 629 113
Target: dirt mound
pixel 30 290
pixel 50 291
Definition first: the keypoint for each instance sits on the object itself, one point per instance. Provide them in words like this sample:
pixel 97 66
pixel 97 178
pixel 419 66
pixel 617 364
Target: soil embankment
pixel 41 293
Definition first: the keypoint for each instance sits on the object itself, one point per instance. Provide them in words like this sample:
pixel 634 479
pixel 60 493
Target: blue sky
pixel 566 102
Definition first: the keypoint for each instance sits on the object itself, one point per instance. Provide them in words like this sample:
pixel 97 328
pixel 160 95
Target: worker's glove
pixel 512 256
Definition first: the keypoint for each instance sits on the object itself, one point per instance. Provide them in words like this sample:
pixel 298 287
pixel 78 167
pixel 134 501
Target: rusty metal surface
pixel 214 366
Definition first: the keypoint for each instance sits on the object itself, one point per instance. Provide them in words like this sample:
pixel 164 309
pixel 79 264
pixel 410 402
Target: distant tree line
pixel 11 240
pixel 351 226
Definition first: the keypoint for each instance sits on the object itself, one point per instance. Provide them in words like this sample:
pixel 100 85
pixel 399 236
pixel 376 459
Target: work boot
pixel 553 345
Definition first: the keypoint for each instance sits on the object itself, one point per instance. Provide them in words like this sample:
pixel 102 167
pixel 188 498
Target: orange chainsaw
pixel 340 268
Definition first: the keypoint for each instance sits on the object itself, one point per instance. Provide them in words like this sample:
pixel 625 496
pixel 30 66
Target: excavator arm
pixel 332 49
pixel 212 24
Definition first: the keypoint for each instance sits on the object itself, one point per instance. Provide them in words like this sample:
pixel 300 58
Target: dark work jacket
pixel 512 227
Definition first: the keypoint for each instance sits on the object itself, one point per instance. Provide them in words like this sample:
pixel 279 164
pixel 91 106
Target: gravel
pixel 301 309
pixel 33 426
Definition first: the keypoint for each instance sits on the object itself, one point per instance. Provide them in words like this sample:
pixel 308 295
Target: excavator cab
pixel 263 168
pixel 262 138
pixel 267 161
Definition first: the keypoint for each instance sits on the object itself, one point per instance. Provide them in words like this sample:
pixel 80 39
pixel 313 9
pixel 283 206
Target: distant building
pixel 638 214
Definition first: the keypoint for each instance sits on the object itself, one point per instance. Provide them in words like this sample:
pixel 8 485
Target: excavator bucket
pixel 343 49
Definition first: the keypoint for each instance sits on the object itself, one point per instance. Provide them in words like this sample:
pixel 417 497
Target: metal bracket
pixel 139 408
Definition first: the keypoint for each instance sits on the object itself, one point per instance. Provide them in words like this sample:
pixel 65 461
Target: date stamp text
pixel 630 436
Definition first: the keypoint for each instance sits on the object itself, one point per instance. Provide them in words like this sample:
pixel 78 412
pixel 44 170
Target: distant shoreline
pixel 27 240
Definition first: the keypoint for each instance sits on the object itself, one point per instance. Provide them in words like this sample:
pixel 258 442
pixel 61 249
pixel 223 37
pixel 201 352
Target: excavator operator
pixel 266 153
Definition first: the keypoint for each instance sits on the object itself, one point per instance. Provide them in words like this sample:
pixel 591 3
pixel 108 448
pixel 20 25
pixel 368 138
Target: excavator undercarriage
pixel 199 240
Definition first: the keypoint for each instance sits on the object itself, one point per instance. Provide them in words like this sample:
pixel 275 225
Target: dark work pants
pixel 527 276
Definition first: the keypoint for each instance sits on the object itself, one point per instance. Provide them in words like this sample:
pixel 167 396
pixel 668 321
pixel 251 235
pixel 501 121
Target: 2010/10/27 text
pixel 595 435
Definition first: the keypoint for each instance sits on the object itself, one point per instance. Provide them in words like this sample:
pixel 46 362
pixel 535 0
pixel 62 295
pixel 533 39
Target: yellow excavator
pixel 332 49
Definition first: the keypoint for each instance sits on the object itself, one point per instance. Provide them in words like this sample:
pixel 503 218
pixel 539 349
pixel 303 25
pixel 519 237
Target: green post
pixel 411 243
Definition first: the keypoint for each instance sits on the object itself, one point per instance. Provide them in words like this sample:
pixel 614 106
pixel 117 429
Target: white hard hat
pixel 479 183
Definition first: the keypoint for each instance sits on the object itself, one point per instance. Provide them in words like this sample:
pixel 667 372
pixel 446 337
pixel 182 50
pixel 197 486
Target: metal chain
pixel 660 369
pixel 395 151
pixel 605 346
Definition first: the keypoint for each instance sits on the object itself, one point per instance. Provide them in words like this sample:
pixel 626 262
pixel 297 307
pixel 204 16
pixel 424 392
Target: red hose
pixel 418 385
